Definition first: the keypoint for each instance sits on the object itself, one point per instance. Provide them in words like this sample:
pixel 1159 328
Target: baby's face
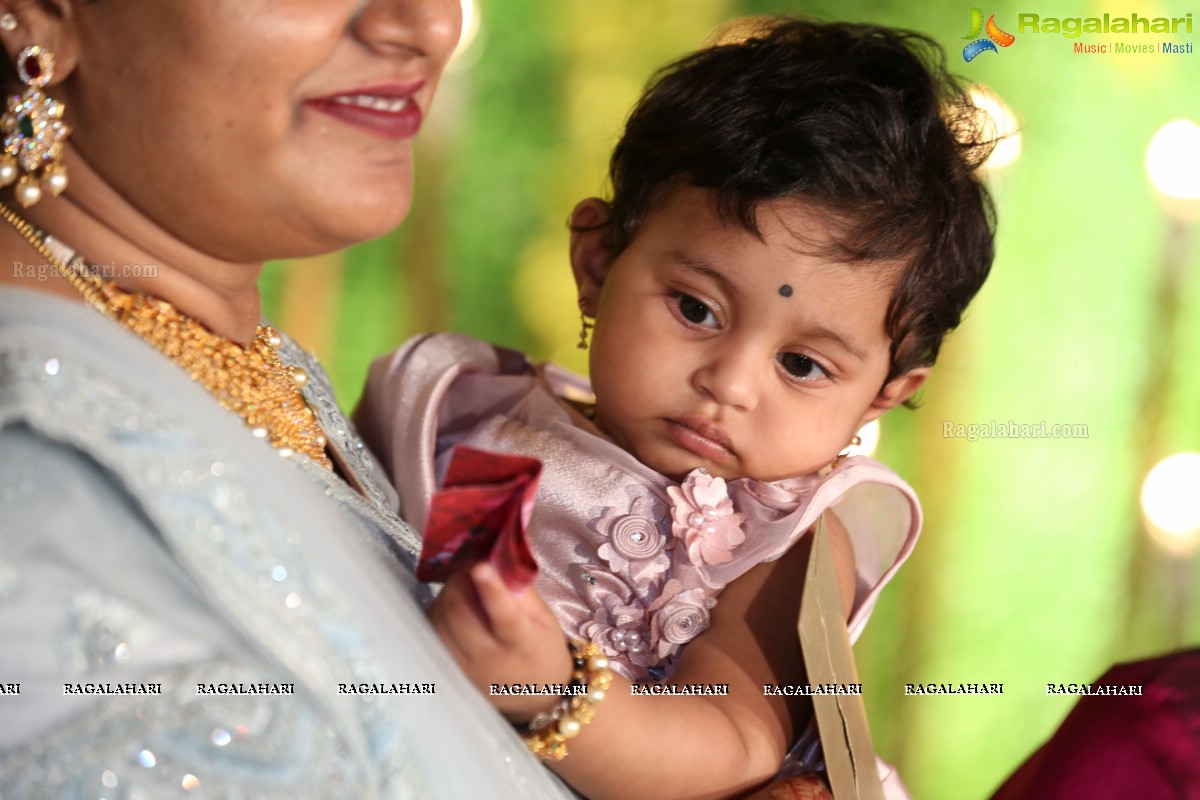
pixel 749 357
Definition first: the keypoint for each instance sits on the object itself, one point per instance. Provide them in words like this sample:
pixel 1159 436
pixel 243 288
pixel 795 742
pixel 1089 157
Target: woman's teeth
pixel 392 104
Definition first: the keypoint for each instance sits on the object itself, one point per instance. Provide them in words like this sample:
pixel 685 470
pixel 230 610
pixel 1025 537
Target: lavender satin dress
pixel 628 558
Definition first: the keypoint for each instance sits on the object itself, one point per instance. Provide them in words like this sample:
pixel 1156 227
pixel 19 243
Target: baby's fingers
pixel 458 618
pixel 509 622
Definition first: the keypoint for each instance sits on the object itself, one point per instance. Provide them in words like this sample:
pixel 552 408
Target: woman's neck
pixel 137 255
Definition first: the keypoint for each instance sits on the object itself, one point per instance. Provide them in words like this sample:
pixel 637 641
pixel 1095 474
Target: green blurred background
pixel 1035 565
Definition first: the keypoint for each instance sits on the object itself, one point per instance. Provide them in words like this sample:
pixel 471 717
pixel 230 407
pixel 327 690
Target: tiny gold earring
pixel 585 326
pixel 855 441
pixel 34 132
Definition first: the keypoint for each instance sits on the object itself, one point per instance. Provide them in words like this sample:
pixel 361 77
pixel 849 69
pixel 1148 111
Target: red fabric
pixel 1142 747
pixel 481 513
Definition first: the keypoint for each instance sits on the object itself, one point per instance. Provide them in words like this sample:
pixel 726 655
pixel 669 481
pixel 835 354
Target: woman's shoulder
pixel 137 537
pixel 136 646
pixel 222 501
pixel 103 627
pixel 150 539
pixel 77 378
pixel 92 391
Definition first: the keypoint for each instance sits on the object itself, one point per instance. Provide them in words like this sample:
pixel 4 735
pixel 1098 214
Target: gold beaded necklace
pixel 253 381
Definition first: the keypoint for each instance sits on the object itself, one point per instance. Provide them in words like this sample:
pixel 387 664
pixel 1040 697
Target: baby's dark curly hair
pixel 863 122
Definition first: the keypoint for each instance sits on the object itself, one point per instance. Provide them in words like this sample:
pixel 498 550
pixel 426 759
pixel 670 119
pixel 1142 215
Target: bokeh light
pixel 869 434
pixel 1173 160
pixel 1001 124
pixel 1171 503
pixel 465 56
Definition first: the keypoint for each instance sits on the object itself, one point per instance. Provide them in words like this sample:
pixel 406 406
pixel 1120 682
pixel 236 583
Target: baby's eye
pixel 802 367
pixel 695 311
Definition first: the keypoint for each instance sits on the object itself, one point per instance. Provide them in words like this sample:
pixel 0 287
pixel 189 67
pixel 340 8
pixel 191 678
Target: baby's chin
pixel 677 465
pixel 679 474
pixel 733 474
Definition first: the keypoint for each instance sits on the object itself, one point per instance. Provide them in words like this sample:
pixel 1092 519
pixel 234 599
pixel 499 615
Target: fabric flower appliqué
pixel 677 617
pixel 635 543
pixel 702 516
pixel 618 622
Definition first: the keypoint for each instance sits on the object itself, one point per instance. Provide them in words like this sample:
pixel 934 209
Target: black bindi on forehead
pixel 785 290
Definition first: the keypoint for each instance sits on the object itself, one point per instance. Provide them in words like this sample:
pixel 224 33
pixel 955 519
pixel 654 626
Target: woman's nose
pixel 428 28
pixel 730 376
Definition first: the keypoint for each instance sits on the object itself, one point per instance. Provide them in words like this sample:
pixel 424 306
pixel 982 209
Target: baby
pixel 795 224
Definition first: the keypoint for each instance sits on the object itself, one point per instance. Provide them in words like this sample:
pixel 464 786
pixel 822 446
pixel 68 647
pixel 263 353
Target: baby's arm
pixel 712 747
pixel 660 746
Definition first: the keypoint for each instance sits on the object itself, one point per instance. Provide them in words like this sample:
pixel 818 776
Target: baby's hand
pixel 501 637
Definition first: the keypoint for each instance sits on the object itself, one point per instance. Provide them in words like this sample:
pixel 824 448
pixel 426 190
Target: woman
pixel 192 596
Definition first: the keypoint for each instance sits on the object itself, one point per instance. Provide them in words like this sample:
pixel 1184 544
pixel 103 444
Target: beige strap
pixel 841 718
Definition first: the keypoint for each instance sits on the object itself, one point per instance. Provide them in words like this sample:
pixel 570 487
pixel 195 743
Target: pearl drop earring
pixel 34 133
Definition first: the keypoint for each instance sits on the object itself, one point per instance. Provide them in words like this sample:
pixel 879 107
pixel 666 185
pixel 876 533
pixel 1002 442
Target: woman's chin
pixel 377 221
pixel 357 202
pixel 349 224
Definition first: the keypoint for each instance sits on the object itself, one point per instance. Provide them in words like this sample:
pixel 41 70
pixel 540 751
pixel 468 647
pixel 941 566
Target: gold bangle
pixel 548 733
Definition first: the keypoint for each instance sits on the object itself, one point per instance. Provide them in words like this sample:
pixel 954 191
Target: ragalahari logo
pixel 981 44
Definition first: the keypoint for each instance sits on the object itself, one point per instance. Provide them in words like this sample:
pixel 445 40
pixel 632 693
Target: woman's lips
pixel 701 436
pixel 390 112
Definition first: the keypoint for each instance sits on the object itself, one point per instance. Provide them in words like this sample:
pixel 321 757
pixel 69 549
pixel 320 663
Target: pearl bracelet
pixel 548 732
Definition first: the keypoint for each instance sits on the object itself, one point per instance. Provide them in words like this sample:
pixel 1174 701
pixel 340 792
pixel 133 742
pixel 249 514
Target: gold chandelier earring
pixel 34 133
pixel 585 326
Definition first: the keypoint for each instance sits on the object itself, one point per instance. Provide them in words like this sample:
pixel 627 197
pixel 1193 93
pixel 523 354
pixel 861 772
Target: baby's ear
pixel 895 392
pixel 591 224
